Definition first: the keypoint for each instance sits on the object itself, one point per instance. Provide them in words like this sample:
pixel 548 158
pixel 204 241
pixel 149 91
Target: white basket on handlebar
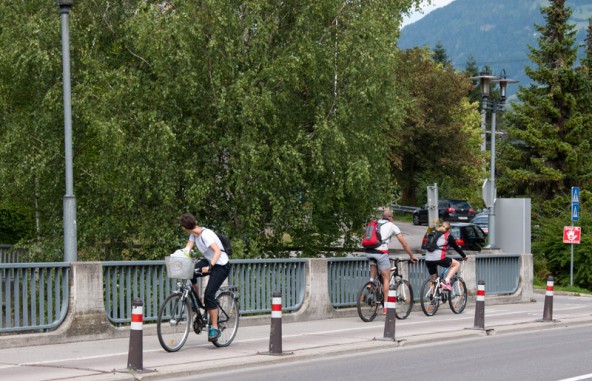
pixel 179 267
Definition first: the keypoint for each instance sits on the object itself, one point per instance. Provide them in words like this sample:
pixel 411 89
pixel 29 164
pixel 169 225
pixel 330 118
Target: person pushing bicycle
pixel 438 257
pixel 380 254
pixel 215 262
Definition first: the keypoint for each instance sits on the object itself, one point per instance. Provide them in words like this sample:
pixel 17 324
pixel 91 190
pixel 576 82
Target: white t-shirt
pixel 203 242
pixel 387 231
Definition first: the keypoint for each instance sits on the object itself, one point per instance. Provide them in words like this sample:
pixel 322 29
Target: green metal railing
pixel 33 296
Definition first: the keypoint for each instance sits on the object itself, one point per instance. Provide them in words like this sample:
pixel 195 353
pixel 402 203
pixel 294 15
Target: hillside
pixel 496 33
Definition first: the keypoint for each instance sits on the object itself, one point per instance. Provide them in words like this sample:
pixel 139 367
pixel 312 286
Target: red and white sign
pixel 572 234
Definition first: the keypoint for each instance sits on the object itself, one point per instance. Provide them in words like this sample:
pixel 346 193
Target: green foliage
pixel 548 149
pixel 439 142
pixel 552 256
pixel 260 118
pixel 16 224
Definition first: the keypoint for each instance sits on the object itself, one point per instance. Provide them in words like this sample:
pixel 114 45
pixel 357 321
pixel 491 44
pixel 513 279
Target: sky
pixel 425 10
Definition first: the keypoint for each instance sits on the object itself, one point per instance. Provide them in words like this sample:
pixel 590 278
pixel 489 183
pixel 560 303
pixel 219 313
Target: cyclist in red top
pixel 438 257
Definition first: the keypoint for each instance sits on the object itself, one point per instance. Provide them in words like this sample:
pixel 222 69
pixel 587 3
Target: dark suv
pixel 448 210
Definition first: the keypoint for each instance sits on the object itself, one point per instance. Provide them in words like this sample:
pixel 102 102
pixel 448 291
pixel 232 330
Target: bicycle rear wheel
pixel 404 299
pixel 429 298
pixel 367 302
pixel 458 296
pixel 228 317
pixel 174 323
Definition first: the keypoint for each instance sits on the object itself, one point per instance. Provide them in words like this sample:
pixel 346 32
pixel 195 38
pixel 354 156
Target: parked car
pixel 468 236
pixel 482 220
pixel 448 210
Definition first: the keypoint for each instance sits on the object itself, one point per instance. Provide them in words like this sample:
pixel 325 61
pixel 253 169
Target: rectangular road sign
pixel 575 212
pixel 572 234
pixel 575 195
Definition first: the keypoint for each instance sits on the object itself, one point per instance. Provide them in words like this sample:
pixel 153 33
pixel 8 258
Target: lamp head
pixel 65 3
pixel 503 83
pixel 485 78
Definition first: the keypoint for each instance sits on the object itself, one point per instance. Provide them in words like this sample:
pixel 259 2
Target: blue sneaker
pixel 214 334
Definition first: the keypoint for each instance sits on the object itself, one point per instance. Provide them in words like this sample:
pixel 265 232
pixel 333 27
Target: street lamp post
pixel 485 79
pixel 69 201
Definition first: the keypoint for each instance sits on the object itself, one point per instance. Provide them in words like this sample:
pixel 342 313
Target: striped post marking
pixel 135 353
pixel 548 309
pixel 391 309
pixel 480 306
pixel 275 338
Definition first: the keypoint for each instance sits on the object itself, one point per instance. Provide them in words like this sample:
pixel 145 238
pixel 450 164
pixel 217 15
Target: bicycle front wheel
pixel 228 317
pixel 174 322
pixel 404 299
pixel 458 296
pixel 429 298
pixel 367 302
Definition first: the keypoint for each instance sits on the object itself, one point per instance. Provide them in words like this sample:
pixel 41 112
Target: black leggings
pixel 218 275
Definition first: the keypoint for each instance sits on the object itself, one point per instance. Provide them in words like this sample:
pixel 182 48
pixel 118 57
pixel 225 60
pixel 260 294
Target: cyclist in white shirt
pixel 387 230
pixel 214 262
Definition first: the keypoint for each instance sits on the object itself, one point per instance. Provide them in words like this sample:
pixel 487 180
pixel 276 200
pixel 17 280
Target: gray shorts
pixel 383 260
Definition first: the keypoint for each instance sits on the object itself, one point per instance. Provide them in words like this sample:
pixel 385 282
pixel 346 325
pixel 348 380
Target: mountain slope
pixel 496 33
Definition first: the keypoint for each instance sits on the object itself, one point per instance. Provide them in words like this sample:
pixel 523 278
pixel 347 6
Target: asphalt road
pixel 546 355
pixel 413 235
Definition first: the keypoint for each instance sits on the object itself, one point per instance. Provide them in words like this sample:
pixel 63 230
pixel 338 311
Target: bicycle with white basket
pixel 183 309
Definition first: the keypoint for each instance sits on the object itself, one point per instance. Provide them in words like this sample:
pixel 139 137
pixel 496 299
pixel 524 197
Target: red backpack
pixel 372 239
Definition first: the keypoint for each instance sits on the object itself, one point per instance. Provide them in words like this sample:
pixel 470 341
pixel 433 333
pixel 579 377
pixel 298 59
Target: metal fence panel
pixel 258 279
pixel 33 296
pixel 9 254
pixel 500 272
pixel 125 281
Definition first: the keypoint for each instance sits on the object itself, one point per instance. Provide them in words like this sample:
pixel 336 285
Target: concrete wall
pixel 87 319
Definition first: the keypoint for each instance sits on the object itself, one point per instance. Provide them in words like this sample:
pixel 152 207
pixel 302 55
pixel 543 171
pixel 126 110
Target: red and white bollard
pixel 480 306
pixel 391 314
pixel 135 353
pixel 548 309
pixel 275 338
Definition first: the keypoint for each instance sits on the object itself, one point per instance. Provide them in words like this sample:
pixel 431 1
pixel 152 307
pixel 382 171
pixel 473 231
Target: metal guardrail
pixel 500 272
pixel 147 280
pixel 9 254
pixel 346 276
pixel 125 281
pixel 33 296
pixel 403 209
pixel 257 279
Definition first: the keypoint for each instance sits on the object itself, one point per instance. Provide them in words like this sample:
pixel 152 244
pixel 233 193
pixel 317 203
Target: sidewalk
pixel 106 360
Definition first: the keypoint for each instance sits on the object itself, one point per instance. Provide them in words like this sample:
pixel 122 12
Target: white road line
pixel 579 378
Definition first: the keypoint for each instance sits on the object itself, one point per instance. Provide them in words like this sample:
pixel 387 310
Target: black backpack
pixel 432 240
pixel 226 245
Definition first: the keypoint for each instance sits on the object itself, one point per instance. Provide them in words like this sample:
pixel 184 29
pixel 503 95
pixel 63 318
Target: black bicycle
pixel 432 294
pixel 371 297
pixel 183 310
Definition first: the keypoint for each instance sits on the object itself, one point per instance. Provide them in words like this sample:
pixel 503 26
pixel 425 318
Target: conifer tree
pixel 547 150
pixel 440 55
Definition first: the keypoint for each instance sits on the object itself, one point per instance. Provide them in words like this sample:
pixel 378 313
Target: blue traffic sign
pixel 575 212
pixel 575 195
